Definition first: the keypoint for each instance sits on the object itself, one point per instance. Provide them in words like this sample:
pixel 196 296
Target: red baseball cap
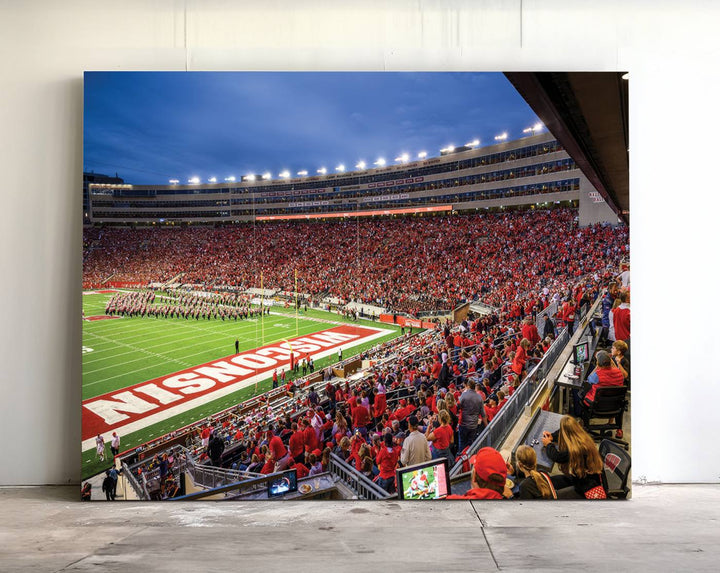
pixel 488 461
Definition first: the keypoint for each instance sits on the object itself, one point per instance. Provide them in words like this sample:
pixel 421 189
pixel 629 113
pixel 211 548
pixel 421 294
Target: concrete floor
pixel 663 528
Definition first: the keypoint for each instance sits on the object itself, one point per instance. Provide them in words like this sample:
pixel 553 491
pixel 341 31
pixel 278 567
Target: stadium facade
pixel 533 170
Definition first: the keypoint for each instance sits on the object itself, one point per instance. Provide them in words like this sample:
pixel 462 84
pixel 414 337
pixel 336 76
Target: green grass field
pixel 121 352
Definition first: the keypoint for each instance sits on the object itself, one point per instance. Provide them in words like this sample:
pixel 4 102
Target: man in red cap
pixel 488 476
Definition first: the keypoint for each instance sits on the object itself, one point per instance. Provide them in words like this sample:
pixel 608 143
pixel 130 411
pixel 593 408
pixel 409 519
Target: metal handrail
pixel 355 480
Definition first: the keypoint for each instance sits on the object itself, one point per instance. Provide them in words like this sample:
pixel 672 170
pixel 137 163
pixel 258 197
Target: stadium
pixel 329 336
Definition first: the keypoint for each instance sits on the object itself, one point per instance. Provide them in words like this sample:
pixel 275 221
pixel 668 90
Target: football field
pixel 146 376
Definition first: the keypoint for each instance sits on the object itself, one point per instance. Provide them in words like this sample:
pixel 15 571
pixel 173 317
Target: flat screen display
pixel 581 352
pixel 285 483
pixel 429 480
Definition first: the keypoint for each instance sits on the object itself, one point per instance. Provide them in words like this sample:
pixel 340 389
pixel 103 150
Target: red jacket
pixel 387 460
pixel 360 416
pixel 606 377
pixel 530 332
pixel 621 321
pixel 379 405
pixel 311 439
pixel 519 361
pixel 277 448
pixel 297 444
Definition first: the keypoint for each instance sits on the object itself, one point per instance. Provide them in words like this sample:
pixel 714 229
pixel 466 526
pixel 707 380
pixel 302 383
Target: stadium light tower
pixel 322 171
pixel 361 165
pixel 380 161
pixel 174 181
pixel 303 172
pixel 404 158
pixel 473 143
pixel 534 129
pixel 502 137
pixel 266 175
pixel 448 149
pixel 284 175
pixel 212 180
pixel 194 180
pixel 340 168
pixel 230 179
pixel 250 177
pixel 422 155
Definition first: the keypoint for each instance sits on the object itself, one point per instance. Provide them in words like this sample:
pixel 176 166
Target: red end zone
pixel 138 406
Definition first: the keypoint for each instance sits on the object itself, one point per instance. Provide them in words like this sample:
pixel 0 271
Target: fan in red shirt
pixel 518 364
pixel 310 436
pixel 386 461
pixel 530 331
pixel 360 417
pixel 380 404
pixel 297 444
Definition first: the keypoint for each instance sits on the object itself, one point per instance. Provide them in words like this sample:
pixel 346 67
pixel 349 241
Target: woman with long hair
pixel 574 450
pixel 534 484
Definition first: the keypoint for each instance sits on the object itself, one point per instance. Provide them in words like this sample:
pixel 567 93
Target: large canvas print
pixel 354 286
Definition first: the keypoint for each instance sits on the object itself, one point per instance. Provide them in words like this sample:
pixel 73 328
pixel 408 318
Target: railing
pixel 359 483
pixel 140 489
pixel 210 477
pixel 503 422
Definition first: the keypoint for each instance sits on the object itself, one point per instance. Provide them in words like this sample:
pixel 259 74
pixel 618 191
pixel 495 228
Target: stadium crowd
pixel 429 400
pixel 403 264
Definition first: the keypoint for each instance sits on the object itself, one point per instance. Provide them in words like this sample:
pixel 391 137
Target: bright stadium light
pixel 340 168
pixel 194 180
pixel 538 126
pixel 473 143
pixel 448 149
pixel 174 181
pixel 322 171
pixel 303 172
pixel 231 178
pixel 284 175
pixel 380 161
pixel 422 155
pixel 212 180
pixel 361 165
pixel 249 178
pixel 502 137
pixel 404 158
pixel 266 176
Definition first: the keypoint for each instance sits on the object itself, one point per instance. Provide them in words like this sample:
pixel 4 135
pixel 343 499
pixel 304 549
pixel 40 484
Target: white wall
pixel 670 49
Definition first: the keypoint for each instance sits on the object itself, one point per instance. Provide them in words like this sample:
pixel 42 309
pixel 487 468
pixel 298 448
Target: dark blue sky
pixel 150 127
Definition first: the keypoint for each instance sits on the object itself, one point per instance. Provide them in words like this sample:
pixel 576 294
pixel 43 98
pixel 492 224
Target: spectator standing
pixel 386 461
pixel 441 436
pixel 471 407
pixel 621 318
pixel 415 448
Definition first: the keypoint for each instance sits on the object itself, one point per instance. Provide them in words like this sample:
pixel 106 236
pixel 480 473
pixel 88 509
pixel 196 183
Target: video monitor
pixel 429 480
pixel 581 352
pixel 282 484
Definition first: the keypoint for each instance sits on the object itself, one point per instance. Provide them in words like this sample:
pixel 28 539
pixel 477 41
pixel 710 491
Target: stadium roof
pixel 588 113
